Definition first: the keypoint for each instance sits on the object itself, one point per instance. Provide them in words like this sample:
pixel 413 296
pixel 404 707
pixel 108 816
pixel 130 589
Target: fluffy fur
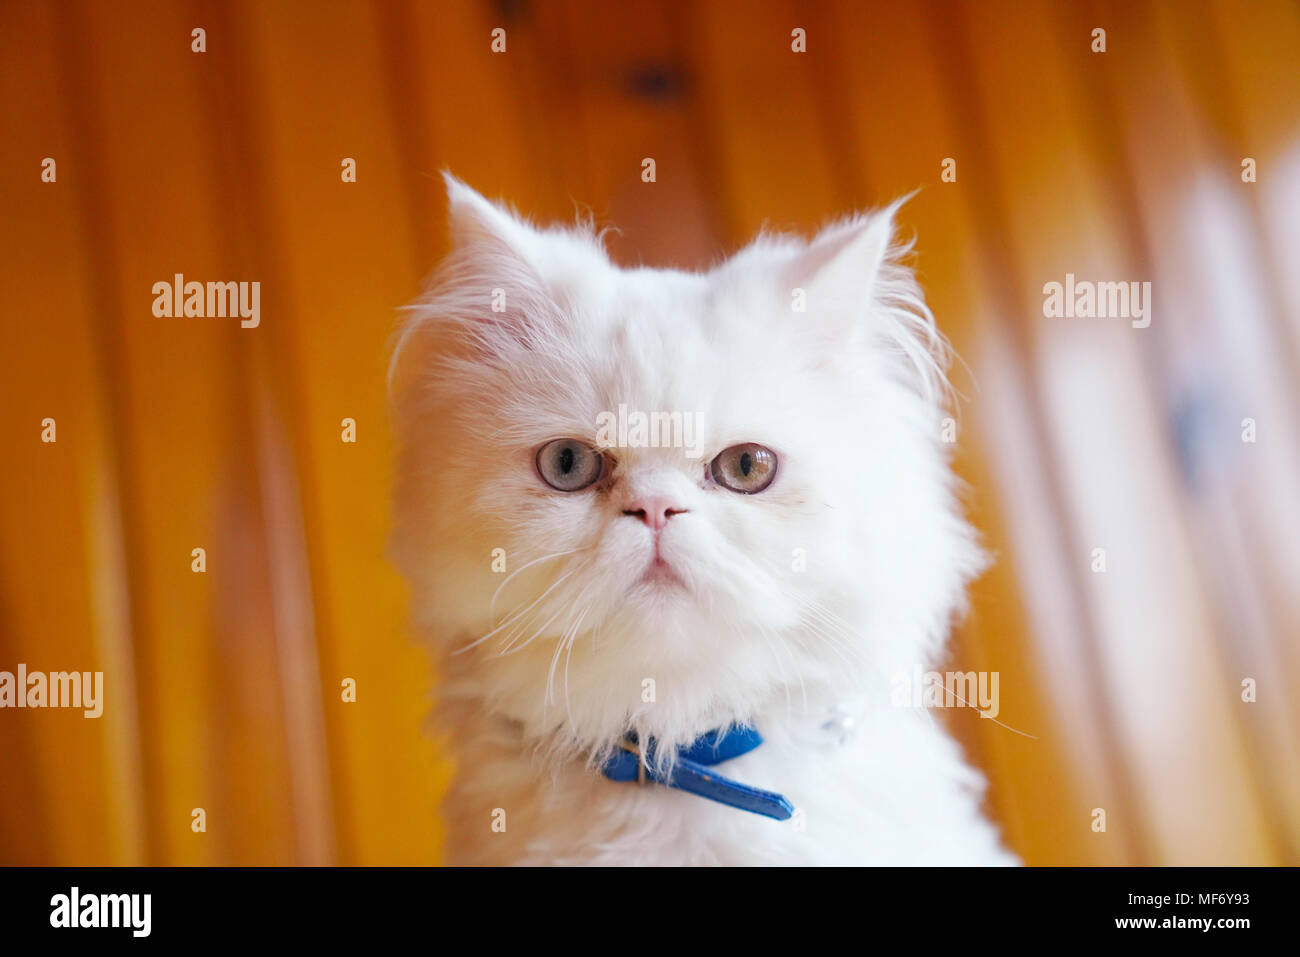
pixel 545 666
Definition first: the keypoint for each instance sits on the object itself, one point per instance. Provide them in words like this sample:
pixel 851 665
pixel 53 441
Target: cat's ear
pixel 839 271
pixel 857 291
pixel 475 221
pixel 492 287
pixel 488 299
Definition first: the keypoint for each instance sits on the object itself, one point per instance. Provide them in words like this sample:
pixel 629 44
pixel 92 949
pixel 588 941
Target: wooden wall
pixel 223 688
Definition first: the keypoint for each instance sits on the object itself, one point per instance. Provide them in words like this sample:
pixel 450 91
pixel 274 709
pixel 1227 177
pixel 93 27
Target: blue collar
pixel 690 770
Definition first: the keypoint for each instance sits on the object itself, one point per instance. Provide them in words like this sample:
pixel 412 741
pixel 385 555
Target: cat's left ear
pixel 858 291
pixel 839 271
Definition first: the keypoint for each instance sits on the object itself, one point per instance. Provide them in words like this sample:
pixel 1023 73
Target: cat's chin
pixel 662 590
pixel 657 599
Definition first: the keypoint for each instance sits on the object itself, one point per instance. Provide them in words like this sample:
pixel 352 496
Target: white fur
pixel 538 685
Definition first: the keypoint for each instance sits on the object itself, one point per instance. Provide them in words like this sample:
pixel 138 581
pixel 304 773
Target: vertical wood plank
pixel 344 253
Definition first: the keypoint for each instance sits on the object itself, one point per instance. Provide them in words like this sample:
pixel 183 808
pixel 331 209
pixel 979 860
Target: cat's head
pixel 669 500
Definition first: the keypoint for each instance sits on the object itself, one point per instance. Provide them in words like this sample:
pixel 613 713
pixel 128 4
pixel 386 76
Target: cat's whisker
pixel 507 650
pixel 835 647
pixel 518 630
pixel 538 633
pixel 785 685
pixel 838 645
pixel 834 619
pixel 511 635
pixel 827 630
pixel 515 616
pixel 785 645
pixel 568 657
pixel 836 626
pixel 493 604
pixel 549 696
pixel 820 622
pixel 566 638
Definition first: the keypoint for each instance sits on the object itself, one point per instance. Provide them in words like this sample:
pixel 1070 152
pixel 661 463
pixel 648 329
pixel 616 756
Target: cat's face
pixel 729 484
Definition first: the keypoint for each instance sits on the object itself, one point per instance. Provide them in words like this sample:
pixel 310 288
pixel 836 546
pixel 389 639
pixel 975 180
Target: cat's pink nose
pixel 654 511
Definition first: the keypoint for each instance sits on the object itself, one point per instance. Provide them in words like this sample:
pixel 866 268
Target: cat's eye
pixel 569 465
pixel 747 469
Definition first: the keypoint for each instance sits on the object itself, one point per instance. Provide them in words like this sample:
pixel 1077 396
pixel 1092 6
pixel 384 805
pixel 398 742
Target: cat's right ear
pixel 489 294
pixel 475 221
pixel 485 295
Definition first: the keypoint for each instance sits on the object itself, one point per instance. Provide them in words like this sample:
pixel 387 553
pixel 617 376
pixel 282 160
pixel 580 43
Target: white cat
pixel 579 596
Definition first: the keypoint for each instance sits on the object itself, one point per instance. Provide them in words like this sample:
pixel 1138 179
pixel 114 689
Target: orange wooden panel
pixel 903 139
pixel 635 99
pixel 72 793
pixel 223 688
pixel 769 152
pixel 343 254
pixel 1136 515
pixel 205 664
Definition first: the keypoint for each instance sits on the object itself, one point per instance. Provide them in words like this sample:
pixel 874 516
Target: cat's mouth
pixel 660 574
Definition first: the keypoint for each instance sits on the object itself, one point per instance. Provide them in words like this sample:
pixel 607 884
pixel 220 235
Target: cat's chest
pixel 575 816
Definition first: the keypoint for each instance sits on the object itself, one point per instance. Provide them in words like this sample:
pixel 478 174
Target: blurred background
pixel 223 688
